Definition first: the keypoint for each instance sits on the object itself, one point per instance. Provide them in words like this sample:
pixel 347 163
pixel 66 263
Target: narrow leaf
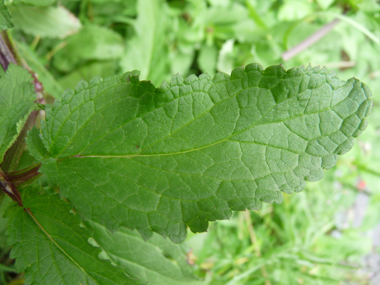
pixel 189 152
pixel 158 261
pixel 16 102
pixel 51 248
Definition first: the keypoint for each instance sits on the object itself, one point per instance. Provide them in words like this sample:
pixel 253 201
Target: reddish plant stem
pixel 6 56
pixel 9 188
pixel 9 184
pixel 21 176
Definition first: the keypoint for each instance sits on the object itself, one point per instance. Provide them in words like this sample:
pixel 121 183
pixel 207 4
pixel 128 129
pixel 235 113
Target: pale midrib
pixel 215 104
pixel 210 145
pixel 57 245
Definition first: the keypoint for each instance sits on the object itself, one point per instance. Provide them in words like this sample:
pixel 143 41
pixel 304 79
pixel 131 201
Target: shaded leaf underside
pixel 158 260
pixel 160 159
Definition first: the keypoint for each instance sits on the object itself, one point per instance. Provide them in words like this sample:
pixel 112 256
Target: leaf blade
pixel 192 150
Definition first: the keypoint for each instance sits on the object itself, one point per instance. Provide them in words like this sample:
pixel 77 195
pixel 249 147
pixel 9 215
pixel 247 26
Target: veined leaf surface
pixel 160 159
pixel 50 246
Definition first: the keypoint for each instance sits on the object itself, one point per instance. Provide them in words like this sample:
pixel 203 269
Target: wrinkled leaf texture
pixel 161 159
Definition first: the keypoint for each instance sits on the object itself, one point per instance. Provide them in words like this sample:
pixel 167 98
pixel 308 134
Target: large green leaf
pixel 158 261
pixel 16 102
pixel 5 17
pixel 51 247
pixel 52 22
pixel 189 152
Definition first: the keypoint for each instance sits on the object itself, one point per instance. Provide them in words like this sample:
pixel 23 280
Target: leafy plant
pixel 162 159
pixel 118 153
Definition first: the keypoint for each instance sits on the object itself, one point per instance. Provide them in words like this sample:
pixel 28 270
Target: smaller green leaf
pixel 5 17
pixel 157 260
pixel 51 247
pixel 51 22
pixel 91 43
pixel 16 103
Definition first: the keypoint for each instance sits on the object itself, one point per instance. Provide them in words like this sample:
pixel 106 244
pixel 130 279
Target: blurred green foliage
pixel 312 238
